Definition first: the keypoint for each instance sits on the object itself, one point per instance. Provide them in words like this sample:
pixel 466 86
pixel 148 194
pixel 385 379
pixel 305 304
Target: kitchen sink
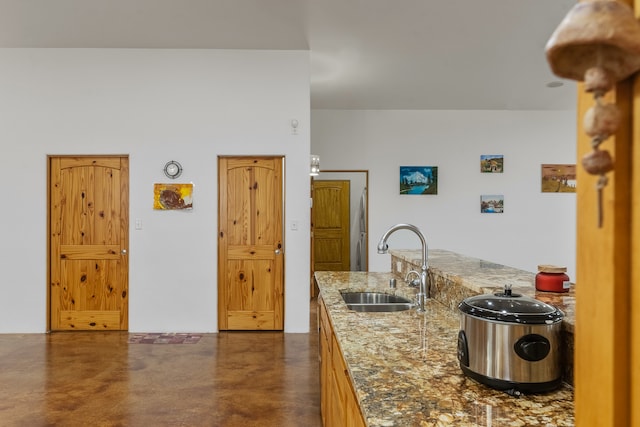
pixel 375 302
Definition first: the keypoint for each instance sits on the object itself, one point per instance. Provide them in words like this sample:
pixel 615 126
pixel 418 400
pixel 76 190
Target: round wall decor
pixel 172 169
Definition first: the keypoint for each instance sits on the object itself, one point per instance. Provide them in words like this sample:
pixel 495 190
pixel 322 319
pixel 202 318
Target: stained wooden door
pixel 250 250
pixel 89 238
pixel 331 226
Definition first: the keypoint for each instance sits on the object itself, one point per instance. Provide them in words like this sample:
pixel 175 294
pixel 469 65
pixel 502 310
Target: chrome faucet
pixel 383 248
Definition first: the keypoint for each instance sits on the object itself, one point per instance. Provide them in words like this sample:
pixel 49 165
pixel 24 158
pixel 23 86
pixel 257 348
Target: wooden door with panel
pixel 250 243
pixel 89 236
pixel 331 225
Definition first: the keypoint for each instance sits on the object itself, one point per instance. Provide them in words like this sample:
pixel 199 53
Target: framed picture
pixel 558 178
pixel 172 196
pixel 491 163
pixel 492 203
pixel 418 180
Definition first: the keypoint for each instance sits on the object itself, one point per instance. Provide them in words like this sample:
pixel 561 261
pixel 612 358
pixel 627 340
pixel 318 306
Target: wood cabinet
pixel 337 398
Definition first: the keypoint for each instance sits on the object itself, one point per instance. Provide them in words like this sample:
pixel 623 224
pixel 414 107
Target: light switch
pixel 138 224
pixel 294 225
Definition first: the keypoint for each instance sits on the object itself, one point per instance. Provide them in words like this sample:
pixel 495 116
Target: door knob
pixel 277 251
pixel 123 252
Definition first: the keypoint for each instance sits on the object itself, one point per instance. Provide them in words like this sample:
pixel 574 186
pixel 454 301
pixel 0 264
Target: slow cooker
pixel 510 342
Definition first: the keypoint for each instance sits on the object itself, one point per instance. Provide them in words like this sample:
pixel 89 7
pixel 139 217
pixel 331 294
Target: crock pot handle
pixel 507 290
pixel 532 347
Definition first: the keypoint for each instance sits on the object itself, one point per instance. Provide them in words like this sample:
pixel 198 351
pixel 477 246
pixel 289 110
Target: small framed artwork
pixel 492 203
pixel 558 178
pixel 172 196
pixel 491 163
pixel 418 180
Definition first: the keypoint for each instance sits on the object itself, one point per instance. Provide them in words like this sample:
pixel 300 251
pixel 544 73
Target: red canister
pixel 551 278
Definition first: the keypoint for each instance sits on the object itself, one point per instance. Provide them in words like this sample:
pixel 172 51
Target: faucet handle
pixel 415 282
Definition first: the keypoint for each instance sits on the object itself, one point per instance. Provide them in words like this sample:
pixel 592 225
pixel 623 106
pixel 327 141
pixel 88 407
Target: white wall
pixel 155 106
pixel 536 228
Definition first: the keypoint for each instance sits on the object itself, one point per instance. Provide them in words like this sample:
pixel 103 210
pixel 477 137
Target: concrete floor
pixel 98 379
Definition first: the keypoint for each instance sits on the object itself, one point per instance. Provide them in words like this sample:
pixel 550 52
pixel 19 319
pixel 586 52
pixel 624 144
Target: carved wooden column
pixel 634 369
pixel 606 326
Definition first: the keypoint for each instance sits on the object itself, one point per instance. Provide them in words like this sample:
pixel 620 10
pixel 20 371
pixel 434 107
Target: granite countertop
pixel 404 367
pixel 466 276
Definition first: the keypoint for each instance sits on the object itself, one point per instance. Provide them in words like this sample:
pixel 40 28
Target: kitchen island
pixel 403 365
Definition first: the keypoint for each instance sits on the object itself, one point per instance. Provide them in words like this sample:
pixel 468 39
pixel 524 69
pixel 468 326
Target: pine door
pixel 331 226
pixel 250 250
pixel 89 238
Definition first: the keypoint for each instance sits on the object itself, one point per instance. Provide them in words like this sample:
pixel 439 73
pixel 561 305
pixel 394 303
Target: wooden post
pixel 605 387
pixel 634 369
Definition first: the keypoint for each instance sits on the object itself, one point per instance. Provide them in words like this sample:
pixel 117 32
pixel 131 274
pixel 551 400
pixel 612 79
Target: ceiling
pixel 365 54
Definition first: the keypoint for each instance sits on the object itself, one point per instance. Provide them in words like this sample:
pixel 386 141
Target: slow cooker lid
pixel 510 307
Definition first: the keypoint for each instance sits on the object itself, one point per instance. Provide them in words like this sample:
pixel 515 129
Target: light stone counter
pixel 404 367
pixel 454 277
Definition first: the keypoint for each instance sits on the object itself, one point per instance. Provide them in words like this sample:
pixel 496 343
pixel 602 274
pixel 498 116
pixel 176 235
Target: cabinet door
pixel 338 402
pixel 353 415
pixel 325 364
pixel 331 412
pixel 336 407
pixel 350 415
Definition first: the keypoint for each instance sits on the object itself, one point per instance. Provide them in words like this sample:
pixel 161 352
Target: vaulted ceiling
pixel 365 54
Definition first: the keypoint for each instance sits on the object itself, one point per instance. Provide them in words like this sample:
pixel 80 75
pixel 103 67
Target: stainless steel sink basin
pixel 375 302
